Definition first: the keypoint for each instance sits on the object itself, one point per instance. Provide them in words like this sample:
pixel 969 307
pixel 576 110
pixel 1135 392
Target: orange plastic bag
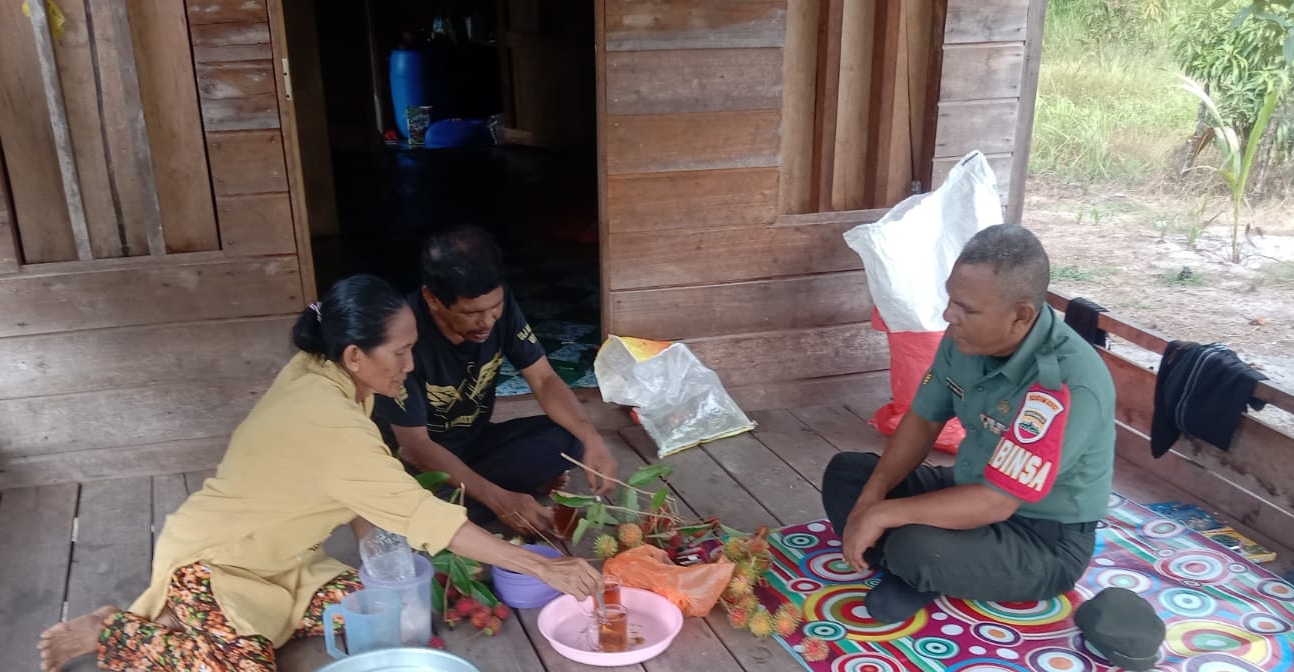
pixel 911 353
pixel 694 590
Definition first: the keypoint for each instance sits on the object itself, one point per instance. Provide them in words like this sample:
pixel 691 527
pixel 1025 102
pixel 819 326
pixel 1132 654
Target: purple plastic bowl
pixel 522 591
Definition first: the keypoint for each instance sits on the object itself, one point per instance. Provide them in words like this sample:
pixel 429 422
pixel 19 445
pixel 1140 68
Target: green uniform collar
pixel 1036 349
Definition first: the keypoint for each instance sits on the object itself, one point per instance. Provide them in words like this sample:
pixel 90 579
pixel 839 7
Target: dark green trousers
pixel 1017 560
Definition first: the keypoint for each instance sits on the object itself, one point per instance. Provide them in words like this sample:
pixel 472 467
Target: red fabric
pixel 911 353
pixel 1027 458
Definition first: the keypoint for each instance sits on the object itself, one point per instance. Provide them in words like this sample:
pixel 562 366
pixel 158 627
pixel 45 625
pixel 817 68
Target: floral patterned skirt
pixel 207 642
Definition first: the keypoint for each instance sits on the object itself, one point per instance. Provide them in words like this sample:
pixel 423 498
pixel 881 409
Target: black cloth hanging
pixel 1201 390
pixel 1083 315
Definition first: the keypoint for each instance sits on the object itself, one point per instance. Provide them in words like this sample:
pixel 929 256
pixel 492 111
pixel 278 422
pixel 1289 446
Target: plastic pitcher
pixel 372 620
pixel 415 599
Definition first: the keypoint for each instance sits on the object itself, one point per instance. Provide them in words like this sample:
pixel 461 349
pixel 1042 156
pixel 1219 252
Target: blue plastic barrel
pixel 408 85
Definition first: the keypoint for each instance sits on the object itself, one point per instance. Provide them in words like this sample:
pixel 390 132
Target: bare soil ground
pixel 1162 260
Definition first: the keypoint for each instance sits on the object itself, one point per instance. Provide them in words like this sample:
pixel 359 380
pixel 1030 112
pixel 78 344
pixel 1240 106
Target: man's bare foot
pixel 77 637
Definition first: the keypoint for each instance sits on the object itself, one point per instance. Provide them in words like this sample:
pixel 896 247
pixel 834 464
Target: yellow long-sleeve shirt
pixel 306 460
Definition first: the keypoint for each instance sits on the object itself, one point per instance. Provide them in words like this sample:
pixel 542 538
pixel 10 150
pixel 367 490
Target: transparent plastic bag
pixel 679 401
pixel 386 555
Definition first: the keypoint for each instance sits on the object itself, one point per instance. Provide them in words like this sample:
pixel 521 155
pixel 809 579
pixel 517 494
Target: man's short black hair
pixel 461 262
pixel 1018 260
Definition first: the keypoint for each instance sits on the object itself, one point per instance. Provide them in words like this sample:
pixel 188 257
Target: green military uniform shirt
pixel 1039 424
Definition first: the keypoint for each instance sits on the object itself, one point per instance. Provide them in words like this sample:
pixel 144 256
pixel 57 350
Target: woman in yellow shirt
pixel 239 568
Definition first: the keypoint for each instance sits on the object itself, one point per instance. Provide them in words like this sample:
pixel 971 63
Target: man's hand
pixel 573 576
pixel 522 512
pixel 862 530
pixel 597 458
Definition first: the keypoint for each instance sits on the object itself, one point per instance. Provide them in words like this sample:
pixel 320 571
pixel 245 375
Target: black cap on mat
pixel 1123 627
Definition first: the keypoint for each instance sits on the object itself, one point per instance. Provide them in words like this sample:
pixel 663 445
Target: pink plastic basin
pixel 568 626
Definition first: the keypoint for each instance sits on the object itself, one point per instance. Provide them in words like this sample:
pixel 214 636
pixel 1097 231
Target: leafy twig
pixel 613 479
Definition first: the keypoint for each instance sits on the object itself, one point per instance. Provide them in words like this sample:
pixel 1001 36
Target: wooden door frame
pixel 292 149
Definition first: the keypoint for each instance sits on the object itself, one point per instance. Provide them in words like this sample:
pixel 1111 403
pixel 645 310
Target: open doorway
pixel 506 91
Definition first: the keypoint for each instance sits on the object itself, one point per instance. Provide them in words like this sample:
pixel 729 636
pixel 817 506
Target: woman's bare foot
pixel 77 637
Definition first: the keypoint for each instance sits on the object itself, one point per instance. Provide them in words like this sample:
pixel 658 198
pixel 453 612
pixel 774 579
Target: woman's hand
pixel 574 576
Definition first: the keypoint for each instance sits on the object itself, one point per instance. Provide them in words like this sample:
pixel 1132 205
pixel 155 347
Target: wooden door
pixel 149 265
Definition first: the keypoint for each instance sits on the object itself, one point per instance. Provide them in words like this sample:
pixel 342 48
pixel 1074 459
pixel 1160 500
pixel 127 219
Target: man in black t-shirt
pixel 468 323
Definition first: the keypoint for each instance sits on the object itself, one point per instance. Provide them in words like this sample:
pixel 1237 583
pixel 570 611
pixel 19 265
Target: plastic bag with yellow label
pixel 679 401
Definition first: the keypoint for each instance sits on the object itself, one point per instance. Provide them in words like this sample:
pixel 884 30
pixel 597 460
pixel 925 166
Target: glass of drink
pixel 564 520
pixel 613 628
pixel 610 589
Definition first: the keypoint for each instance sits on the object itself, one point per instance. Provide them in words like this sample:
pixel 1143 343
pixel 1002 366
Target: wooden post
pixel 933 83
pixel 1024 116
pixel 855 105
pixel 292 154
pixel 825 101
pixel 9 261
pixel 58 123
pixel 799 79
pixel 888 174
pixel 117 21
pixel 600 114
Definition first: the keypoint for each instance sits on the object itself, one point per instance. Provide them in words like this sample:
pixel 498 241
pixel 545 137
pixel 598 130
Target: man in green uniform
pixel 1015 518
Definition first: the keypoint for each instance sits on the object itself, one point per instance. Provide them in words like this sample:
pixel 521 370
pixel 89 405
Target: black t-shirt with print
pixel 451 387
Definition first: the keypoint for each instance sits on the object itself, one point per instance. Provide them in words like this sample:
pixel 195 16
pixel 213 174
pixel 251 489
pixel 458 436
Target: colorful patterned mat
pixel 1223 613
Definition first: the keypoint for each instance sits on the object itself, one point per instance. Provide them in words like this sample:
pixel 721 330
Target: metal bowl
pixel 406 659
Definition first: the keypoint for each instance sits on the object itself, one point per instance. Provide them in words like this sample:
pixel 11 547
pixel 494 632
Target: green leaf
pixel 460 576
pixel 573 501
pixel 692 529
pixel 438 596
pixel 432 480
pixel 649 473
pixel 597 514
pixel 1287 49
pixel 628 499
pixel 658 499
pixel 733 532
pixel 1241 16
pixel 442 561
pixel 482 594
pixel 580 528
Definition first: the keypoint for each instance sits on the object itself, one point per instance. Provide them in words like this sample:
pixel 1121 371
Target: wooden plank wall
pixel 694 247
pixel 142 363
pixel 986 90
pixel 1252 483
pixel 138 366
pixel 857 79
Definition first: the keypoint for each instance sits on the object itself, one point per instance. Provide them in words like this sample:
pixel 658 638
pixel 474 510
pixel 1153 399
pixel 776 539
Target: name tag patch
pixel 1026 459
pixel 992 425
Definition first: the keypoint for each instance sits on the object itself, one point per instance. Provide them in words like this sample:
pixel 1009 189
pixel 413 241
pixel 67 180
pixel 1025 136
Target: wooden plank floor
pixel 70 548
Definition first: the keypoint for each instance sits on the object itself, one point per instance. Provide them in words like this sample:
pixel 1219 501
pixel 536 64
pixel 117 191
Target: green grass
pixel 1183 278
pixel 1108 108
pixel 1080 274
